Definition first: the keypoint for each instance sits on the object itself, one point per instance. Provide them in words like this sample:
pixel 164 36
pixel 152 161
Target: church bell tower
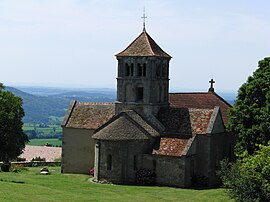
pixel 143 76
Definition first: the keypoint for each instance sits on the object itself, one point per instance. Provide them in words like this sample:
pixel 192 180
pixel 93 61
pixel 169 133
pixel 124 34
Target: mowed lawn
pixel 31 186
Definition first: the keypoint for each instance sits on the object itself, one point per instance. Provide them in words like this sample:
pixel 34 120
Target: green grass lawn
pixel 31 186
pixel 41 142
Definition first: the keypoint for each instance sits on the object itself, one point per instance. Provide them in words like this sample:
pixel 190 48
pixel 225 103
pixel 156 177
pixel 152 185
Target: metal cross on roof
pixel 212 85
pixel 144 17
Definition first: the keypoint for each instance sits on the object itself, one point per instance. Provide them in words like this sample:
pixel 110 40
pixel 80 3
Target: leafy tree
pixel 248 179
pixel 249 118
pixel 12 138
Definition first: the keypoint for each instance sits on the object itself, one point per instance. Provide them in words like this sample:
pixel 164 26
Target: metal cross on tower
pixel 144 17
pixel 211 89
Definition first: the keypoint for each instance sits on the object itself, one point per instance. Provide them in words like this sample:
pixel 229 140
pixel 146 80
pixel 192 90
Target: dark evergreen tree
pixel 250 116
pixel 12 137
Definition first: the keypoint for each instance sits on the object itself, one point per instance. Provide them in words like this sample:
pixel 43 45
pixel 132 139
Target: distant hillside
pixel 87 96
pixel 38 109
pixel 48 91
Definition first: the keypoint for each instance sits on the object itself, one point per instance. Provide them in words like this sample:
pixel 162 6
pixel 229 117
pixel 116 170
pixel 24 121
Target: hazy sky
pixel 73 42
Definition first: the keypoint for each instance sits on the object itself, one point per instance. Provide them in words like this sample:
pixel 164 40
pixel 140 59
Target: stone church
pixel 177 136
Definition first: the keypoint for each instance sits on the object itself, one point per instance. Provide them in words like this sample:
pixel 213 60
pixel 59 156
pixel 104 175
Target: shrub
pixel 20 159
pixel 248 179
pixel 38 159
pixel 18 168
pixel 58 159
pixel 145 176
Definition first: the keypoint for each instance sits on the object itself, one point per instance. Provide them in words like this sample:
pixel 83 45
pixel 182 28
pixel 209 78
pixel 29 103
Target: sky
pixel 72 43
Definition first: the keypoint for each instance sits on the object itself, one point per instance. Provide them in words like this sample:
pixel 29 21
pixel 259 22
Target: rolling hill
pixel 38 108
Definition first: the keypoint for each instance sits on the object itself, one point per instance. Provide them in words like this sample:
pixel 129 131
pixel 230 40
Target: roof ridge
pixel 214 93
pixel 129 44
pixel 138 124
pixel 143 46
pixel 71 107
pixel 146 36
pixel 96 103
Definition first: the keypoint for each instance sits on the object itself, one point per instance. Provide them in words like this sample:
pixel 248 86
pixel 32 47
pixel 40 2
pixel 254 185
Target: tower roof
pixel 144 45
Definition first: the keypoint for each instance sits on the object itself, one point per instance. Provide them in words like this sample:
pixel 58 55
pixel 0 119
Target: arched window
pixel 129 69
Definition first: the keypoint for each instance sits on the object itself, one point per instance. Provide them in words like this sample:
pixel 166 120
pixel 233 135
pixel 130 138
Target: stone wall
pixel 154 84
pixel 124 159
pixel 169 170
pixel 210 150
pixel 77 150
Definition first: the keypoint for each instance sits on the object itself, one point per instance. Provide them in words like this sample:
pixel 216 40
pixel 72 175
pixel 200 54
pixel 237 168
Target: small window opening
pixel 139 94
pixel 144 70
pixel 109 162
pixel 135 163
pixel 158 71
pixel 131 69
pixel 154 165
pixel 164 71
pixel 192 167
pixel 139 70
pixel 127 69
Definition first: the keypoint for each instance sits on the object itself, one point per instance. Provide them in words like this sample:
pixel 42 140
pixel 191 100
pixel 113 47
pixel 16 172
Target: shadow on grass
pixel 12 181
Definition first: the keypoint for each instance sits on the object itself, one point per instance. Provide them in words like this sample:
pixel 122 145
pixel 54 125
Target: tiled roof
pixel 171 146
pixel 207 100
pixel 185 121
pixel 151 129
pixel 126 125
pixel 89 115
pixel 144 45
pixel 49 153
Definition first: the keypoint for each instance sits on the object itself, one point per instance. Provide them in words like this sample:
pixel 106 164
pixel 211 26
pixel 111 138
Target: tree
pixel 249 118
pixel 12 137
pixel 248 179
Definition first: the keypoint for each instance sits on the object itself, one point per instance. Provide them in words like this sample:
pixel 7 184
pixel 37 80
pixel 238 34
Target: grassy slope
pixel 41 142
pixel 31 186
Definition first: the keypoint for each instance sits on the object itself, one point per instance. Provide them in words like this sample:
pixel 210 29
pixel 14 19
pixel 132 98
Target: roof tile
pixel 185 121
pixel 207 100
pixel 127 125
pixel 90 115
pixel 171 146
pixel 144 45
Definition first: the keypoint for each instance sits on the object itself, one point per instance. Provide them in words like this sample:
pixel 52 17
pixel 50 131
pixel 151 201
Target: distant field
pixel 41 142
pixel 31 186
pixel 42 130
